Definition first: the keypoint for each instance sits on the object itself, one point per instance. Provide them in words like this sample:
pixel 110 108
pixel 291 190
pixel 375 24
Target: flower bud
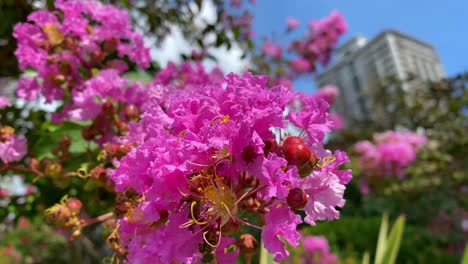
pixel 58 214
pixel 65 142
pixel 87 133
pixel 52 168
pixel 108 107
pixel 295 151
pixel 74 205
pixel 131 112
pixel 98 173
pixel 247 244
pixel 296 199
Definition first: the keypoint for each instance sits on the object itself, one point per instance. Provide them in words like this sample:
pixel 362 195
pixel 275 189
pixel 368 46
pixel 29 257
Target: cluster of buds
pixel 113 117
pixel 66 215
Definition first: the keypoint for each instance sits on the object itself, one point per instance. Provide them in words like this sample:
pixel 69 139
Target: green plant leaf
pixel 366 258
pixel 51 134
pixel 394 241
pixel 381 242
pixel 265 256
pixel 465 255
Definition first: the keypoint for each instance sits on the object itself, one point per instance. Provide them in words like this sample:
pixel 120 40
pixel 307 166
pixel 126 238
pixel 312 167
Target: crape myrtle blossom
pixel 391 152
pixel 209 163
pixel 12 147
pixel 322 37
pixel 329 93
pixel 317 251
pixel 292 23
pixel 302 55
pixel 4 102
pixel 271 49
pixel 75 49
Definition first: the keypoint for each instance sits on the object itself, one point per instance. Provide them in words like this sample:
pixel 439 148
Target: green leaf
pixel 134 76
pixel 265 256
pixel 51 134
pixel 366 258
pixel 381 242
pixel 394 241
pixel 465 255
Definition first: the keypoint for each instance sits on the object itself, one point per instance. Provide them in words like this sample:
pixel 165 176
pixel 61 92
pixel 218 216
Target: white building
pixel 360 64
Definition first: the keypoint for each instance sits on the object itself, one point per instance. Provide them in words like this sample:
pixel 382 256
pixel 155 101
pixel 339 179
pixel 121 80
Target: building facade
pixel 360 64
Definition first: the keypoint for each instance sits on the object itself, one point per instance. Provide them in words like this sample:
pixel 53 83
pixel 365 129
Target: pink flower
pixel 327 93
pixel 88 33
pixel 28 88
pixel 236 3
pixel 271 49
pixel 325 194
pixel 4 193
pixel 283 81
pixel 300 65
pixel 337 121
pixel 391 152
pixel 4 102
pixel 292 23
pixel 206 155
pixel 320 40
pixel 280 222
pixel 13 149
pixel 317 251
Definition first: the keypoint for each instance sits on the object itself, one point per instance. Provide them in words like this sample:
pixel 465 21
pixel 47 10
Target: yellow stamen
pixel 181 134
pixel 192 215
pixel 325 161
pixel 225 119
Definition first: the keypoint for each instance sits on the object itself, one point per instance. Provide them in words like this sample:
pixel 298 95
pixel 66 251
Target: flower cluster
pixel 213 160
pixel 271 49
pixel 12 147
pixel 78 52
pixel 391 152
pixel 305 54
pixel 317 251
pixel 321 39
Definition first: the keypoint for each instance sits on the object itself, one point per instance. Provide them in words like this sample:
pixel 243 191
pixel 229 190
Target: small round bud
pixel 131 112
pixel 247 244
pixel 58 214
pixel 108 107
pixel 74 205
pixel 65 142
pixel 295 151
pixel 87 133
pixel 297 198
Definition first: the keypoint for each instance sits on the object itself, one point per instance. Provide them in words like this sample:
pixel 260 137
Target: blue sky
pixel 444 24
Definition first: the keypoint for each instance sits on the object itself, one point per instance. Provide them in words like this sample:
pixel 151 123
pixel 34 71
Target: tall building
pixel 360 64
